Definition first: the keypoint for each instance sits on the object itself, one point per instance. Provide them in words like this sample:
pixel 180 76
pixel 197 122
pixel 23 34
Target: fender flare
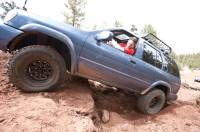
pixel 55 34
pixel 153 86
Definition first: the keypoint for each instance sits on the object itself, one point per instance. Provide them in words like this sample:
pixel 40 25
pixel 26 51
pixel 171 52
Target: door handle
pixel 132 61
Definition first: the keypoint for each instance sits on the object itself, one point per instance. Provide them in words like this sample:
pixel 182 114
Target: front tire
pixel 36 68
pixel 152 102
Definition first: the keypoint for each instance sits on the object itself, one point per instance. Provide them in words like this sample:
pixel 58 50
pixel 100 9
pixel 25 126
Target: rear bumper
pixel 7 34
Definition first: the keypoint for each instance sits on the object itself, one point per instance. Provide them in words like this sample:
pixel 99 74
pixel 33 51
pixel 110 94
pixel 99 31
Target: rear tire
pixel 36 68
pixel 152 102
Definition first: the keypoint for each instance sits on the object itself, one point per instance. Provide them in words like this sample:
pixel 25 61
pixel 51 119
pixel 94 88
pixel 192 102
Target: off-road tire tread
pixel 17 53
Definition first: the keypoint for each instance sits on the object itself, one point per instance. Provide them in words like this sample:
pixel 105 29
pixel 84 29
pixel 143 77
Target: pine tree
pixel 149 29
pixel 118 24
pixel 7 6
pixel 74 14
pixel 133 28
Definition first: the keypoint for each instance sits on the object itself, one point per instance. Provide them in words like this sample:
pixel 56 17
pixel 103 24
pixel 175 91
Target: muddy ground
pixel 77 108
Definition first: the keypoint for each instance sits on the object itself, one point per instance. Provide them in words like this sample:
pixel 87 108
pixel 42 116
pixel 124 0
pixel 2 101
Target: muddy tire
pixel 152 102
pixel 36 68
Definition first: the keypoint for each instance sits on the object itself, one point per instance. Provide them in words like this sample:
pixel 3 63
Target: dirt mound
pixel 65 109
pixel 78 108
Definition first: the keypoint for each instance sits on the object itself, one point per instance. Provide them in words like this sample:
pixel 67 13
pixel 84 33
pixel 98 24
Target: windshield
pixel 122 37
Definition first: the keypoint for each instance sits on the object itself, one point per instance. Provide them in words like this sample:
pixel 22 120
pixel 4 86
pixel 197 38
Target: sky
pixel 177 22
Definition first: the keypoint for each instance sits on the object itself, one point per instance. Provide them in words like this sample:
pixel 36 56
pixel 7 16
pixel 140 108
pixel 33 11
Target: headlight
pixel 10 15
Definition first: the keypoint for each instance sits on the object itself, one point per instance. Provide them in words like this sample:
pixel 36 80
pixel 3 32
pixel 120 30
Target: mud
pixel 75 107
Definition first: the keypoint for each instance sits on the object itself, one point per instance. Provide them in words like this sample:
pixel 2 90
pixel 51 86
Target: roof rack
pixel 154 40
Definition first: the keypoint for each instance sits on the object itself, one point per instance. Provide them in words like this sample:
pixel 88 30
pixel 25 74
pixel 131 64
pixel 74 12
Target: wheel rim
pixel 154 102
pixel 39 70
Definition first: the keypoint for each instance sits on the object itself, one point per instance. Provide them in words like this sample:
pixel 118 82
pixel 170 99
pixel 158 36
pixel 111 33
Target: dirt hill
pixel 75 107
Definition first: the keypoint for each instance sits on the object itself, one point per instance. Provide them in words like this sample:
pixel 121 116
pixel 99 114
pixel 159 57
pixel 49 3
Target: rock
pixel 191 85
pixel 62 102
pixel 97 86
pixel 84 125
pixel 86 108
pixel 2 120
pixel 105 116
pixel 124 127
pixel 188 124
pixel 125 111
pixel 198 101
pixel 100 87
pixel 79 98
pixel 185 85
pixel 45 94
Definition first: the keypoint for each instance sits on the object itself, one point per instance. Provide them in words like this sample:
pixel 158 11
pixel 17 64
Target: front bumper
pixel 7 34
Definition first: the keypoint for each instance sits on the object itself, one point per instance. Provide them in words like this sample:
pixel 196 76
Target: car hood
pixel 23 18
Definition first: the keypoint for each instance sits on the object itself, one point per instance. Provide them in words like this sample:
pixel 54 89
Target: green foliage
pixel 7 6
pixel 190 60
pixel 118 24
pixel 174 56
pixel 74 14
pixel 133 28
pixel 148 29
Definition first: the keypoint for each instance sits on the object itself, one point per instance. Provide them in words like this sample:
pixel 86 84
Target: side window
pixel 165 64
pixel 158 60
pixel 152 56
pixel 171 67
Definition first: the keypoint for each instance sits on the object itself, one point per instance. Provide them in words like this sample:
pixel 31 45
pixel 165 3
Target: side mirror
pixel 104 35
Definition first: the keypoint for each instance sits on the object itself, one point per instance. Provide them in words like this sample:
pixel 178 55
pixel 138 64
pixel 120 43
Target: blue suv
pixel 45 50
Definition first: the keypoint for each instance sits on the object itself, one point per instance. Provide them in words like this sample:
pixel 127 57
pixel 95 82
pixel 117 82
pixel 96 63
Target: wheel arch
pixel 34 33
pixel 164 86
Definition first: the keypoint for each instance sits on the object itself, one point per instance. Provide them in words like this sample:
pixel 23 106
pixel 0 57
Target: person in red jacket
pixel 129 48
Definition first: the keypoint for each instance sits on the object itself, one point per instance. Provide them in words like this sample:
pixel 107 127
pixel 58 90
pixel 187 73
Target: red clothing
pixel 122 44
pixel 127 50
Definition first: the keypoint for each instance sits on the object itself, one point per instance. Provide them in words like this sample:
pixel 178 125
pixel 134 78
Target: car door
pixel 109 65
pixel 150 64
